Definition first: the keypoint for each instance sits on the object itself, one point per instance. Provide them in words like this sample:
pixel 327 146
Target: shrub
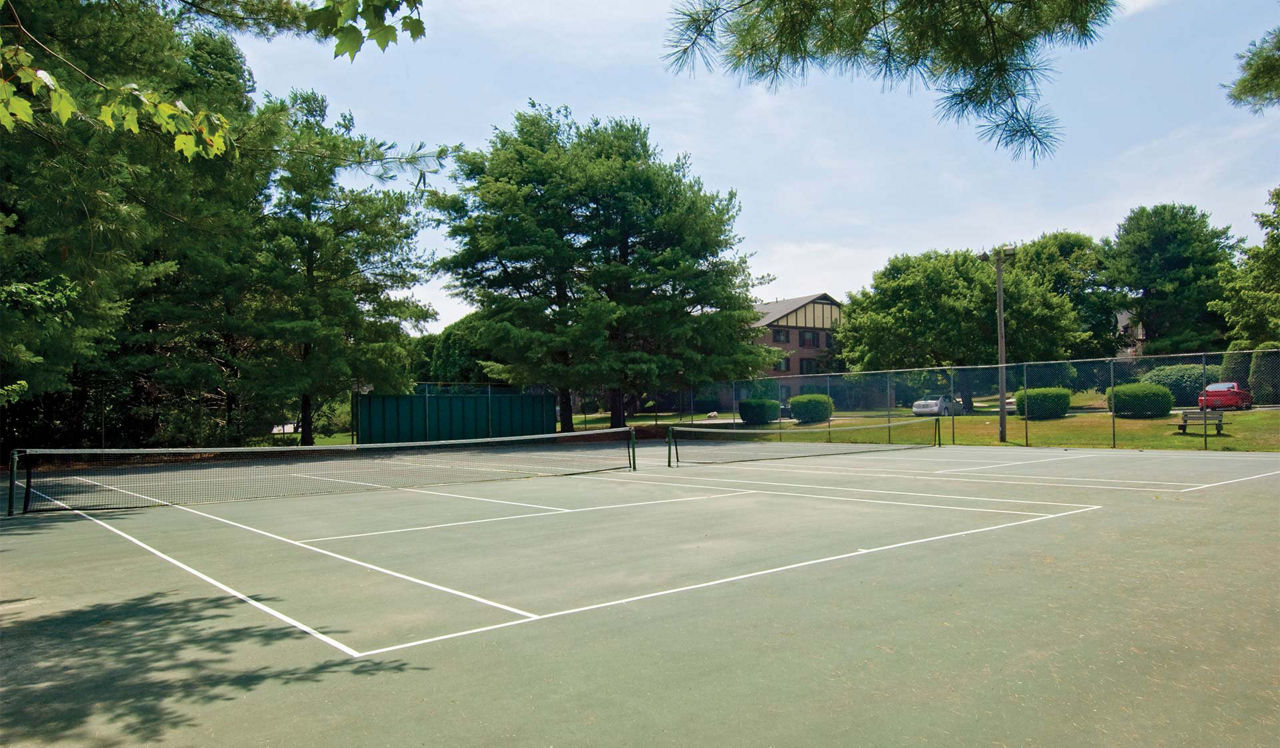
pixel 1264 374
pixel 1184 381
pixel 1140 400
pixel 1235 366
pixel 812 408
pixel 758 412
pixel 1043 403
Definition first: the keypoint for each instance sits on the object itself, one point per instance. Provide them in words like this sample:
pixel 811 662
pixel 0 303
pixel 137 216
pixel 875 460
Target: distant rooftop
pixel 772 311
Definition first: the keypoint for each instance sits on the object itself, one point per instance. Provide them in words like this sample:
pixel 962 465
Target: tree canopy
pixel 148 298
pixel 938 309
pixel 595 264
pixel 1168 260
pixel 1258 86
pixel 986 59
pixel 1250 300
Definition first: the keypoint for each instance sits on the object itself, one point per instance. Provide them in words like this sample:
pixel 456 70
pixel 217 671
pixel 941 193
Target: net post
pixel 13 481
pixel 631 438
pixel 26 494
pixel 670 436
pixel 1204 382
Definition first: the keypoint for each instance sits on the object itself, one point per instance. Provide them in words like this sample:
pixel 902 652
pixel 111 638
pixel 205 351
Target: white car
pixel 942 405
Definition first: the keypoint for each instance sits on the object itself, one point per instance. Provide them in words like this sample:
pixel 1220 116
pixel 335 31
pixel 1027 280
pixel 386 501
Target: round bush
pixel 811 408
pixel 1184 381
pixel 1235 365
pixel 758 412
pixel 1264 374
pixel 1043 403
pixel 1140 400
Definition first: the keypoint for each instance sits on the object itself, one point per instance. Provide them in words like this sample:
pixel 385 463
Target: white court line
pixel 833 488
pixel 432 493
pixel 205 577
pixel 331 554
pixel 1021 462
pixel 926 475
pixel 1225 482
pixel 522 516
pixel 715 582
pixel 866 501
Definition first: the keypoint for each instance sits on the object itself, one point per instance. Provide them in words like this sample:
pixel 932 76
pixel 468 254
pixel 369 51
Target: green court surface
pixel 954 596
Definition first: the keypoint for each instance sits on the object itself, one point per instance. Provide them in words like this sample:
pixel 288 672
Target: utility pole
pixel 1000 253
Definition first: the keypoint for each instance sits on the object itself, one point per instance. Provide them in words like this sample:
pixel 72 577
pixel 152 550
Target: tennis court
pixel 809 595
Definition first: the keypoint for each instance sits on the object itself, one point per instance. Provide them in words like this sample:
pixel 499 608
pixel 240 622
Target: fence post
pixel 951 376
pixel 1204 382
pixel 1026 410
pixel 1111 401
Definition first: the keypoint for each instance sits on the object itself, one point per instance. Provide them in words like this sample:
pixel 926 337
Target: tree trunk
pixel 304 421
pixel 566 411
pixel 617 409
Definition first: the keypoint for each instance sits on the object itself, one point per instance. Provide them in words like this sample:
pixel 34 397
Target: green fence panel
pixel 413 418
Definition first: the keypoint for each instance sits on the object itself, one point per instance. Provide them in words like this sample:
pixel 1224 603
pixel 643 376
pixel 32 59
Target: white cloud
pixel 1133 7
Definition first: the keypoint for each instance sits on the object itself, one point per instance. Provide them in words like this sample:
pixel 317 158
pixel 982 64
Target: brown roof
pixel 771 311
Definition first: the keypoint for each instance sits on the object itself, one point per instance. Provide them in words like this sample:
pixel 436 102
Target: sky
pixel 834 174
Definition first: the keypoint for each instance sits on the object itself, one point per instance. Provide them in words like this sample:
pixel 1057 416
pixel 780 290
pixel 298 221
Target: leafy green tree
pixel 1168 262
pixel 1250 299
pixel 460 353
pixel 596 265
pixel 1258 86
pixel 144 242
pixel 1070 265
pixel 334 261
pixel 53 79
pixel 422 351
pixel 987 59
pixel 938 309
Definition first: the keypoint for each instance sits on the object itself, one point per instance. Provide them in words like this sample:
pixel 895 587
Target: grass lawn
pixel 1255 430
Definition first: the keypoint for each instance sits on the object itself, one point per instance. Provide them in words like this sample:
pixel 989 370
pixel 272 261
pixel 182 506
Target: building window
pixel 784 392
pixel 783 365
pixel 782 336
pixel 808 338
pixel 808 366
pixel 831 341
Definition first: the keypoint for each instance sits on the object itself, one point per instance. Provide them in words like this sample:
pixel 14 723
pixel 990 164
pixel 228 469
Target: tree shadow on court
pixel 36 524
pixel 140 665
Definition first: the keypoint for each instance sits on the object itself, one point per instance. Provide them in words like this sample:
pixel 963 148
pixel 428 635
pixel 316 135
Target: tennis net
pixel 688 444
pixel 49 479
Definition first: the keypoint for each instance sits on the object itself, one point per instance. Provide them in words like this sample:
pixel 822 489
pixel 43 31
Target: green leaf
pixel 105 114
pixel 185 144
pixel 350 40
pixel 21 108
pixel 413 27
pixel 6 119
pixel 383 36
pixel 62 105
pixel 131 121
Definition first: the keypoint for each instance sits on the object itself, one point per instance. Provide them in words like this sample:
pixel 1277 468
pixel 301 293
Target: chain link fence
pixel 1213 401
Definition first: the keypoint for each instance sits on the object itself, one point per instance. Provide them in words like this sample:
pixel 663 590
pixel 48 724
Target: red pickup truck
pixel 1224 395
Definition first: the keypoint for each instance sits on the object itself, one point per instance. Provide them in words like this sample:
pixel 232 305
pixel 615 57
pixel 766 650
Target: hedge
pixel 758 412
pixel 1140 400
pixel 1235 365
pixel 1264 374
pixel 1044 402
pixel 1184 381
pixel 812 408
